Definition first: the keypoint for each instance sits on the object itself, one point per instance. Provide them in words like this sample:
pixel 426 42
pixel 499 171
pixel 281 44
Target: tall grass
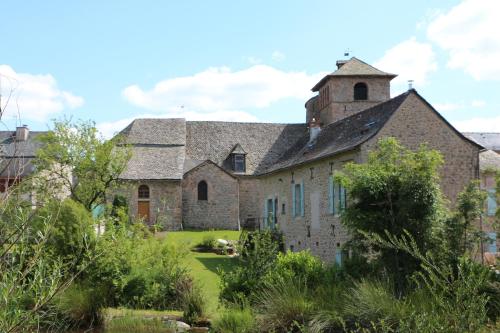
pixel 237 320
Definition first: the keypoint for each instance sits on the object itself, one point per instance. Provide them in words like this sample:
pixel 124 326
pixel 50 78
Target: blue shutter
pixel 266 214
pixel 294 209
pixel 492 244
pixel 338 257
pixel 330 195
pixel 492 203
pixel 302 198
pixel 342 193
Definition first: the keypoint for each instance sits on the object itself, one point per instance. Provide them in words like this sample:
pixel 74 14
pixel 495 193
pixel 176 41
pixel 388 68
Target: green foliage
pixel 284 306
pixel 72 229
pixel 258 251
pixel 193 305
pixel 396 190
pixel 236 320
pixel 209 242
pixel 137 270
pixel 76 158
pixel 300 265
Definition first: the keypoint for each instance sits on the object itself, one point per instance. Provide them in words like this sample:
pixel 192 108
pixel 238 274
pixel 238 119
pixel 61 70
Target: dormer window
pixel 237 159
pixel 360 91
pixel 239 163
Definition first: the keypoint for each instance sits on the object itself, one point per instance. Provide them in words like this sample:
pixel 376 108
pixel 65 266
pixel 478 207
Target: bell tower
pixel 353 87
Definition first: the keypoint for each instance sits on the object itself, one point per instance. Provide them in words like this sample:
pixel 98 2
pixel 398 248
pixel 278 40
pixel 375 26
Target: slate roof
pixel 16 156
pixel 354 67
pixel 487 140
pixel 488 160
pixel 263 143
pixel 341 136
pixel 161 131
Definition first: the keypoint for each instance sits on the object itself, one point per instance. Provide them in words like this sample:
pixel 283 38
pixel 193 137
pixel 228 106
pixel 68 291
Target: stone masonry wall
pixel 325 236
pixel 415 123
pixel 164 203
pixel 342 103
pixel 249 205
pixel 221 210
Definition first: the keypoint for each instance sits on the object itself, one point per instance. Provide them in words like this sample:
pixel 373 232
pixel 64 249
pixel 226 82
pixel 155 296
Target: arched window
pixel 143 192
pixel 360 91
pixel 202 190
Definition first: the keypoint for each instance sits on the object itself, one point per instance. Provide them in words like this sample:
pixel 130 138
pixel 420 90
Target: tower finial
pixel 410 84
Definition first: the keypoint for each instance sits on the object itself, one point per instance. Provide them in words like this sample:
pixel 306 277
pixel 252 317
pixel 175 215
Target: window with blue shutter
pixel 331 197
pixel 302 210
pixel 492 244
pixel 265 214
pixel 492 203
pixel 294 209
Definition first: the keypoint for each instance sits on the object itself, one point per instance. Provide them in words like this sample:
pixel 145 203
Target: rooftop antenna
pixel 410 84
pixel 346 53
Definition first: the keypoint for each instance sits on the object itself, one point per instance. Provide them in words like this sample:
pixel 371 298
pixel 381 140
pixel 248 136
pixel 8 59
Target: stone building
pixel 226 175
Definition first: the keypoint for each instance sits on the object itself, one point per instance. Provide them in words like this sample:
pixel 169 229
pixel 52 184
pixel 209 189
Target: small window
pixel 492 203
pixel 298 199
pixel 143 192
pixel 239 162
pixel 360 91
pixel 283 211
pixel 202 190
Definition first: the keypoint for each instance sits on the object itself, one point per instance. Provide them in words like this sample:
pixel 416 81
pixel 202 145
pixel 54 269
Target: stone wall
pixel 165 200
pixel 249 205
pixel 415 123
pixel 341 98
pixel 221 210
pixel 323 237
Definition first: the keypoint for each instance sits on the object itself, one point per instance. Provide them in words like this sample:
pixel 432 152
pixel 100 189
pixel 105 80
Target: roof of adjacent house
pixel 16 156
pixel 487 140
pixel 354 67
pixel 489 160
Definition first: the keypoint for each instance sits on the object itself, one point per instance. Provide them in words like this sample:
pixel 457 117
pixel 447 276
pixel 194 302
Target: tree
pixel 84 163
pixel 395 192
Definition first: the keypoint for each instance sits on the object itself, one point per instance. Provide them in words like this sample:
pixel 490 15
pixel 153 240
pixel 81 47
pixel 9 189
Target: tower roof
pixel 354 67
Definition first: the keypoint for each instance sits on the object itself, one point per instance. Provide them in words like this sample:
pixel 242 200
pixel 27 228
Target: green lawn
pixel 203 266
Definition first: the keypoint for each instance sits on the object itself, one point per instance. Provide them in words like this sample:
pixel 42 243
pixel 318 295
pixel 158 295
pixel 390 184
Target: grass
pixel 203 266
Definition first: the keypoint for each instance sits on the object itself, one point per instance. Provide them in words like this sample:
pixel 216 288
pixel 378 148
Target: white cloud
pixel 411 60
pixel 253 60
pixel 480 124
pixel 108 129
pixel 33 96
pixel 478 103
pixel 452 106
pixel 469 32
pixel 278 56
pixel 219 89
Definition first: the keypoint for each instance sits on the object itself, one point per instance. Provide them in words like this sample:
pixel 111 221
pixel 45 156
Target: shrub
pixel 301 266
pixel 194 305
pixel 72 230
pixel 284 306
pixel 209 242
pixel 258 251
pixel 80 306
pixel 236 321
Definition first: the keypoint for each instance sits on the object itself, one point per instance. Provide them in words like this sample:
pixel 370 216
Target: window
pixel 360 91
pixel 298 199
pixel 283 211
pixel 271 213
pixel 337 197
pixel 202 190
pixel 492 242
pixel 143 192
pixel 239 162
pixel 492 203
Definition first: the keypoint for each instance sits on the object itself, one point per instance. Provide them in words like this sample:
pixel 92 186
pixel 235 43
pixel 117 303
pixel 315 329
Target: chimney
pixel 22 133
pixel 314 129
pixel 341 63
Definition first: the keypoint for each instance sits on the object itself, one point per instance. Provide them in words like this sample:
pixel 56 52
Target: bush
pixel 302 266
pixel 80 306
pixel 208 242
pixel 284 306
pixel 236 321
pixel 258 251
pixel 193 306
pixel 72 231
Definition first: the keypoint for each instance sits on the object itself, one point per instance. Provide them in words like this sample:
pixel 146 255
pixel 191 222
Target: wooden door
pixel 143 210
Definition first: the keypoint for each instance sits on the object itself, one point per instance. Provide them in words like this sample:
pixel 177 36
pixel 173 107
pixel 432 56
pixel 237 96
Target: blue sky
pixel 112 61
